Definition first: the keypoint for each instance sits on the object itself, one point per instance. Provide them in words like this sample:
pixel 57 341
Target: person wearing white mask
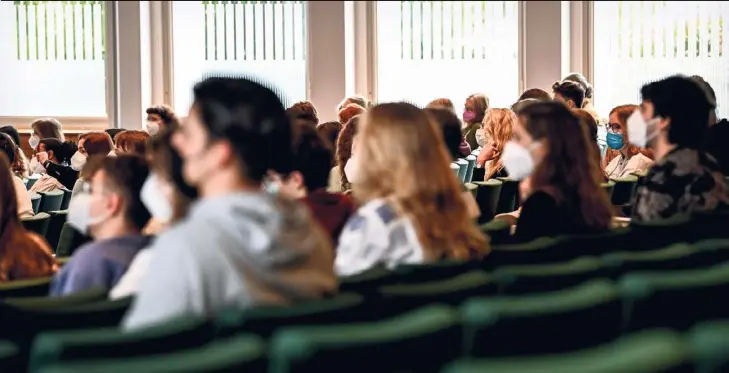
pixel 674 122
pixel 159 118
pixel 166 196
pixel 45 128
pixel 90 144
pixel 564 195
pixel 111 212
pixel 51 161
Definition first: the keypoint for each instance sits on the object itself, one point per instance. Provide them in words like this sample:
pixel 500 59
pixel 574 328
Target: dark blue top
pixel 98 264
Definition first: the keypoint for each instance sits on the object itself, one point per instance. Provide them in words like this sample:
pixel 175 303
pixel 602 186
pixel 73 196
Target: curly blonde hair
pixel 498 124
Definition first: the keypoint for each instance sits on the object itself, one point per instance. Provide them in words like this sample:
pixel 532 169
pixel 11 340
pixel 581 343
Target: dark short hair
pixel 12 132
pixel 536 94
pixel 450 126
pixel 125 175
pixel 521 104
pixel 582 81
pixel 166 113
pixel 330 131
pixel 313 158
pixel 686 104
pixel 7 146
pixel 703 83
pixel 570 91
pixel 62 151
pixel 251 118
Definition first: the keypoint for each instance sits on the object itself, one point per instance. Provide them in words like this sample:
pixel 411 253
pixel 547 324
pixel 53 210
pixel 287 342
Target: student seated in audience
pixel 442 103
pixel 535 94
pixel 304 110
pixel 498 126
pixel 587 87
pixel 718 131
pixel 330 132
pixel 25 207
pixel 131 142
pixel 308 182
pixel 90 144
pixel 52 160
pixel 45 128
pixel 167 197
pixel 684 178
pixel 474 110
pixel 111 212
pixel 338 181
pixel 629 158
pixel 464 150
pixel 238 246
pixel 20 166
pixel 564 193
pixel 350 111
pixel 569 93
pixel 412 208
pixel 23 255
pixel 356 99
pixel 450 126
pixel 160 117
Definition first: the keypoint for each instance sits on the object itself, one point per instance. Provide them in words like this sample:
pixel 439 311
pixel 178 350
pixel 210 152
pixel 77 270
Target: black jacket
pixel 64 174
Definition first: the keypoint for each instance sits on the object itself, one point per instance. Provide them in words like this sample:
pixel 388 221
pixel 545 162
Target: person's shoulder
pixel 540 198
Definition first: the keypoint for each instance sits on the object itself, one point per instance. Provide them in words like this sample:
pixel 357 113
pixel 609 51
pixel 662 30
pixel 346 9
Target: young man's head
pixel 312 163
pixel 237 130
pixel 111 206
pixel 569 93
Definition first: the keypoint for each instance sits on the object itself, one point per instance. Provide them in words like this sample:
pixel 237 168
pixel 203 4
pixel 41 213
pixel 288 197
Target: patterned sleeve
pixel 362 244
pixel 657 198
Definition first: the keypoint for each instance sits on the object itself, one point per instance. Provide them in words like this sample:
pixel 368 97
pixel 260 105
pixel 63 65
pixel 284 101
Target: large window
pixel 641 41
pixel 52 59
pixel 432 49
pixel 262 39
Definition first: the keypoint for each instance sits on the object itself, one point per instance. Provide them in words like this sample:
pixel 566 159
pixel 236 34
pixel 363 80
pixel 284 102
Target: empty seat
pixel 38 223
pixel 51 201
pixel 462 169
pixel 487 198
pixel 420 341
pixel 509 196
pixel 58 219
pixel 544 323
pixel 455 168
pixel 548 277
pixel 110 343
pixel 650 352
pixel 244 353
pixel 66 199
pixel 471 159
pixel 35 200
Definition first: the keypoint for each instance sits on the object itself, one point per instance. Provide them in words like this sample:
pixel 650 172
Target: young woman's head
pixel 304 110
pixel 344 147
pixel 442 103
pixel 535 94
pixel 407 164
pixel 356 99
pixel 131 142
pixel 474 109
pixel 58 152
pixel 12 132
pixel 91 144
pixel 498 126
pixel 450 127
pixel 569 93
pixel 46 128
pixel 348 112
pixel 165 193
pixel 563 159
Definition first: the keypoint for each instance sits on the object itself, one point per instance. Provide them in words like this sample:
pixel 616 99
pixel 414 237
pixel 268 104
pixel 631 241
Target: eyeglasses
pixel 613 127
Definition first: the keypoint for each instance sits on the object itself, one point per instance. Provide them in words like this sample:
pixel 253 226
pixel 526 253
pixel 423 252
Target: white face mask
pixel 480 137
pixel 78 161
pixel 79 213
pixel 641 132
pixel 36 167
pixel 518 160
pixel 34 141
pixel 154 200
pixel 152 127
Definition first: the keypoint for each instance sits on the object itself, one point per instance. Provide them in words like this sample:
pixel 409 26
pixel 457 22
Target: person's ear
pixel 297 179
pixel 663 123
pixel 50 154
pixel 113 204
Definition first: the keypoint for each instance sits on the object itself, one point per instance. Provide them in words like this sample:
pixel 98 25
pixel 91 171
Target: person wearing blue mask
pixel 630 158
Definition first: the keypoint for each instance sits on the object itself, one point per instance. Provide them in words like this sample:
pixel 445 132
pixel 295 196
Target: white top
pixel 376 235
pixel 129 283
pixel 25 206
pixel 620 166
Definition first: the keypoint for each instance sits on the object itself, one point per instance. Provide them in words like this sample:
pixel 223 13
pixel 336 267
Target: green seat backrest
pixel 35 200
pixel 70 240
pixel 368 281
pixel 462 169
pixel 487 198
pixel 58 219
pixel 37 224
pixel 677 256
pixel 453 291
pixel 31 181
pixel 608 187
pixel 471 159
pixel 25 288
pixel 709 343
pixel 710 225
pixel 471 188
pixel 244 353
pixel 548 277
pixel 676 299
pixel 66 199
pixel 543 323
pixel 405 343
pixel 455 168
pixel 9 357
pixel 264 320
pixel 594 244
pixel 509 196
pixel 498 230
pixel 660 233
pixel 650 352
pixel 51 201
pixel 52 303
pixel 437 271
pixel 624 190
pixel 111 343
pixel 538 251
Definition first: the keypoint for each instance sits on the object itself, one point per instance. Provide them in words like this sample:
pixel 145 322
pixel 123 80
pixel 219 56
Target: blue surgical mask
pixel 614 140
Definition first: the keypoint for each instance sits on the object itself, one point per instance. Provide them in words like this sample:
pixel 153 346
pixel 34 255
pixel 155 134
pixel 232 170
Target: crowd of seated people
pixel 250 203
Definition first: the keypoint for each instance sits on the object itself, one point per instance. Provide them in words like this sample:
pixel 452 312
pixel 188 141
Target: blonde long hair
pixel 407 164
pixel 498 124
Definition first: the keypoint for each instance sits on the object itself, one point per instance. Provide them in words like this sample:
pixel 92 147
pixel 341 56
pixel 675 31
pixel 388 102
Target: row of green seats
pixel 525 278
pixel 423 340
pixel 53 226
